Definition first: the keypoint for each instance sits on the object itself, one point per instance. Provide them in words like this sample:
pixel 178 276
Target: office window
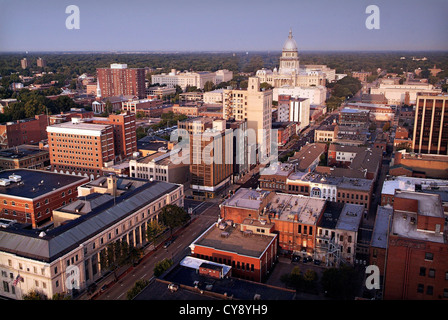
pixel 432 273
pixel 420 288
pixel 429 290
pixel 422 271
pixel 429 256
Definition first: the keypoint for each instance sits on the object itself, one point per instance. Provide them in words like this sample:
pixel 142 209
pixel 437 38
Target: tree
pixel 162 266
pixel 173 216
pixel 114 256
pixel 139 285
pixel 209 86
pixel 34 295
pixel 153 230
pixel 340 283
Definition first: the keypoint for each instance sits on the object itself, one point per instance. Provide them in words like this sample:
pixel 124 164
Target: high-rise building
pixel 254 106
pixel 41 63
pixel 25 63
pixel 431 124
pixel 211 158
pixel 121 80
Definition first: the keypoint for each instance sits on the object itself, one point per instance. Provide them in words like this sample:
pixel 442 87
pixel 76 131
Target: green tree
pixel 114 256
pixel 173 216
pixel 153 230
pixel 34 295
pixel 209 86
pixel 162 266
pixel 139 285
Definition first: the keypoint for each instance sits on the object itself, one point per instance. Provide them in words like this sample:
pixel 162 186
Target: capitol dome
pixel 290 43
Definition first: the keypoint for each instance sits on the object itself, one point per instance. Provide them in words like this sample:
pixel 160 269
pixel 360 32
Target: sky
pixel 224 25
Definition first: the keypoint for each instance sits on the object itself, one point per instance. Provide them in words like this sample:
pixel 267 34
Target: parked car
pixel 317 262
pixel 167 244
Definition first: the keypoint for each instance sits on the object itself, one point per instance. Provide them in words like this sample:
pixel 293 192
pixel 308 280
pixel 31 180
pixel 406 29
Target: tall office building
pixel 254 106
pixel 119 80
pixel 211 158
pixel 431 124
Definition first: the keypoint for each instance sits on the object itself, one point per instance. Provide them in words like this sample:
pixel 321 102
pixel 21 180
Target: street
pixel 176 251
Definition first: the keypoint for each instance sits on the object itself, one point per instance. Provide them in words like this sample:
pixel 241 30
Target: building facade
pixel 119 80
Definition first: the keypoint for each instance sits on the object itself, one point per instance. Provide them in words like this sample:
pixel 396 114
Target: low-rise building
pixel 44 259
pixel 24 156
pixel 30 196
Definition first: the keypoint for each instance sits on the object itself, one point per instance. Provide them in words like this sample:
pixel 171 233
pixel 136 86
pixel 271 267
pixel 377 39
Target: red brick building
pixel 417 256
pixel 119 80
pixel 27 131
pixel 36 195
pixel 250 248
pixel 125 136
pixel 81 148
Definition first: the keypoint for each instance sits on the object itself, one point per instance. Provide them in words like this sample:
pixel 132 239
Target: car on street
pixel 167 244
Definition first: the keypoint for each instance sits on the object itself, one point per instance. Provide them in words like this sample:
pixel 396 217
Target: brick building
pixel 77 147
pixel 250 248
pixel 417 256
pixel 27 131
pixel 36 195
pixel 119 80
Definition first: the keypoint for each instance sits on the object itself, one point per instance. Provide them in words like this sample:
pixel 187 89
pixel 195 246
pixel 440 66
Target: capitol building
pixel 290 73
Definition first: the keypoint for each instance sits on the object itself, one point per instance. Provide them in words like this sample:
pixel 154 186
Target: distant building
pixel 290 73
pixel 430 133
pixel 119 80
pixel 41 63
pixel 26 131
pixel 24 156
pixel 317 95
pixel 399 93
pixel 223 76
pixel 25 63
pixel 184 79
pixel 361 75
pixel 159 166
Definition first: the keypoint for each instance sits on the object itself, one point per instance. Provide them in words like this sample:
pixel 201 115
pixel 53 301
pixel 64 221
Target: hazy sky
pixel 225 25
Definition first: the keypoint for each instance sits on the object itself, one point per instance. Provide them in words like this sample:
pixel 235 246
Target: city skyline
pixel 206 26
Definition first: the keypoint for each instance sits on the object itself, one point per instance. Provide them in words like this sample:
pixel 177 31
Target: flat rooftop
pixel 296 208
pixel 36 183
pixel 246 198
pixel 381 227
pixel 404 223
pixel 350 217
pixel 409 184
pixel 77 126
pixel 235 241
pixel 356 184
pixel 20 152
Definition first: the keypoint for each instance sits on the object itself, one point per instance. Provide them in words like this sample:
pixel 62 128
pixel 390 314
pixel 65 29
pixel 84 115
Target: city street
pixel 176 251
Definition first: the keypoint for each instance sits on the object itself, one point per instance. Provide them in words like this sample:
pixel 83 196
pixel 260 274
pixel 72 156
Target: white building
pixel 223 76
pixel 317 95
pixel 213 97
pixel 299 111
pixel 184 79
pixel 400 93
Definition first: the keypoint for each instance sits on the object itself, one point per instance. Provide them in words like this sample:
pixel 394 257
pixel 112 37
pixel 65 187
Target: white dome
pixel 290 44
